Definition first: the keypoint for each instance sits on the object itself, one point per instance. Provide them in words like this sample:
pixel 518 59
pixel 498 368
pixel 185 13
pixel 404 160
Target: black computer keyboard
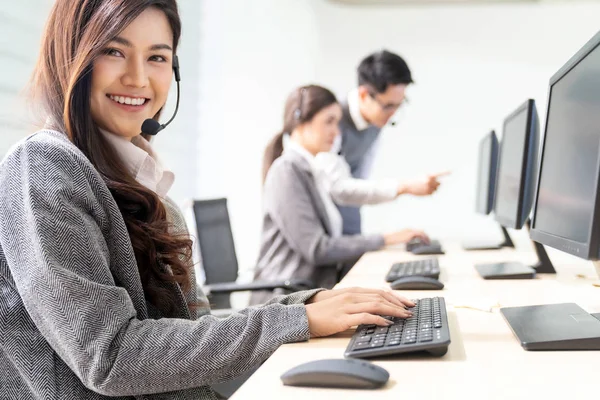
pixel 428 267
pixel 427 330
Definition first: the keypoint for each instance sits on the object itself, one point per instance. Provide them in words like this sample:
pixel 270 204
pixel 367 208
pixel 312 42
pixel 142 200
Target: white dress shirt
pixel 143 162
pixel 354 107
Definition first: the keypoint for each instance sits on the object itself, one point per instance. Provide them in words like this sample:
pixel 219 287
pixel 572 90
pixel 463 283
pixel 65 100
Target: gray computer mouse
pixel 418 246
pixel 416 283
pixel 427 250
pixel 337 373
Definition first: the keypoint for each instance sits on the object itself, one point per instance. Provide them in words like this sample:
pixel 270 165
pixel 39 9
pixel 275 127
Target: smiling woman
pixel 132 75
pixel 120 57
pixel 97 293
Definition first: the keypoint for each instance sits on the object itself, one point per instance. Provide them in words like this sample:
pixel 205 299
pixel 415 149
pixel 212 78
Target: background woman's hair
pixel 76 33
pixel 301 106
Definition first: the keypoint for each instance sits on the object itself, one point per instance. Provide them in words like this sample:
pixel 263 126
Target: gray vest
pixel 355 144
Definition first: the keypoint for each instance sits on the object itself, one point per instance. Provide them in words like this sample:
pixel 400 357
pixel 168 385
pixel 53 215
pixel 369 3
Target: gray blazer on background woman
pixel 297 232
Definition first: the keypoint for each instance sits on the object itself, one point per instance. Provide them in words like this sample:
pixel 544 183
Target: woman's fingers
pixel 389 295
pixel 378 308
pixel 366 319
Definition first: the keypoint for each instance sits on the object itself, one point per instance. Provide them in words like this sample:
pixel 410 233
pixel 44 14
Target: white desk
pixel 484 361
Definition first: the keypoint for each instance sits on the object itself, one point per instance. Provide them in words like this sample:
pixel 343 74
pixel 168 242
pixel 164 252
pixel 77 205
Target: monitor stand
pixel 555 326
pixel 517 270
pixel 480 246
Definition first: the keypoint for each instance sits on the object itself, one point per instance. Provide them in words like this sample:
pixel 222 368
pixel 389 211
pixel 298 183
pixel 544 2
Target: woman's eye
pixel 158 58
pixel 113 52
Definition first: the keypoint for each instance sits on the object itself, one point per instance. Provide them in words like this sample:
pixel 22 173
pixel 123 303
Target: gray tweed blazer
pixel 296 236
pixel 74 323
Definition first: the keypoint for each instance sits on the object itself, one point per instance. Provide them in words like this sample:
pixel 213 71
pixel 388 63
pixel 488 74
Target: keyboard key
pixel 362 345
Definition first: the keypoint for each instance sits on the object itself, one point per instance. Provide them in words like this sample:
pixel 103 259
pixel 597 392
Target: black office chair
pixel 219 260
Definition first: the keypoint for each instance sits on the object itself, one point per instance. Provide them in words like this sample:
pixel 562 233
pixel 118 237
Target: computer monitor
pixel 486 188
pixel 566 208
pixel 515 186
pixel 486 175
pixel 517 170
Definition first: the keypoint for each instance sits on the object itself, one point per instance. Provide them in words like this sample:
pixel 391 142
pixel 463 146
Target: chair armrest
pixel 293 285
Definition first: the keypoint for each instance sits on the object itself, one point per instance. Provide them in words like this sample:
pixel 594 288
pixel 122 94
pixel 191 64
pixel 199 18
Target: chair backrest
pixel 215 239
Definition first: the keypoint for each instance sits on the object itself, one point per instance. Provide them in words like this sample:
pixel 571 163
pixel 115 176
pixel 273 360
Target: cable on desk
pixel 491 309
pixel 585 277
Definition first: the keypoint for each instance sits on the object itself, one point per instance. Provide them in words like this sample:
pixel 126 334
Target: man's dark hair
pixel 382 69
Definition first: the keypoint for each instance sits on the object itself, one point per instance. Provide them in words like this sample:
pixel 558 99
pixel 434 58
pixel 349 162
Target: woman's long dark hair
pixel 300 107
pixel 75 35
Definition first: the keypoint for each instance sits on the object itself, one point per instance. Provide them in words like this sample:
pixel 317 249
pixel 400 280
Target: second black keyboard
pixel 428 267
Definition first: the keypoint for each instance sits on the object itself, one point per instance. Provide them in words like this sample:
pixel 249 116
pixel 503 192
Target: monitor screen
pixel 510 167
pixel 486 175
pixel 569 169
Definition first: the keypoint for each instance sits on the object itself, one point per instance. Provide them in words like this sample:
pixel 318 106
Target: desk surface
pixel 484 361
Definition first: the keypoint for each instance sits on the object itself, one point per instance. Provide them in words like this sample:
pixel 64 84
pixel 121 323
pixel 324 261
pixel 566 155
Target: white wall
pixel 20 29
pixel 473 65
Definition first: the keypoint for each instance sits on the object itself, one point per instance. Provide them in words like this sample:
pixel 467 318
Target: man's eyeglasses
pixel 387 107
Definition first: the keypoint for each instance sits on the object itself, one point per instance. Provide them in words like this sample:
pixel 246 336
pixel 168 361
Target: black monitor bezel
pixel 529 107
pixel 588 250
pixel 492 168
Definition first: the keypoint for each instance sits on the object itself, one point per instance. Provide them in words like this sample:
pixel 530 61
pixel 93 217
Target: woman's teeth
pixel 134 101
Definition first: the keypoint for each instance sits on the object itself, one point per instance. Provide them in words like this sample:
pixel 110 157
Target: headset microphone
pixel 152 126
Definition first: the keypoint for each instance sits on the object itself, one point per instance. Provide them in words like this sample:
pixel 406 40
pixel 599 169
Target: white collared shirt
pixel 333 213
pixel 143 162
pixel 354 108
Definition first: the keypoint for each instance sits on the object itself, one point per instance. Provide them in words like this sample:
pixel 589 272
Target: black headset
pixel 152 126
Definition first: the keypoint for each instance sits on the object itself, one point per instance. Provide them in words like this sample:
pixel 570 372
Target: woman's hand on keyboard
pixel 333 312
pixel 390 295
